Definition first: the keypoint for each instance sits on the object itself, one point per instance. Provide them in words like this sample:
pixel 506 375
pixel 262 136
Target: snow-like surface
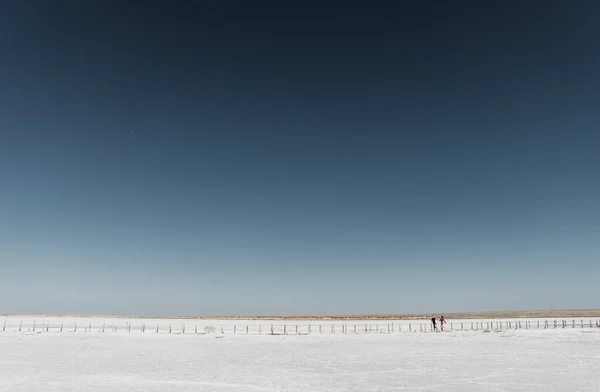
pixel 561 359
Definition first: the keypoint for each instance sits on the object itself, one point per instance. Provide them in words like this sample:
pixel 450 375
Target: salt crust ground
pixel 506 360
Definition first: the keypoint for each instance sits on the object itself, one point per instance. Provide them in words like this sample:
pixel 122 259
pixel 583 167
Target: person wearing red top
pixel 442 322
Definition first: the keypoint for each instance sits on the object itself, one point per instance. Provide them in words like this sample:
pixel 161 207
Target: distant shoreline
pixel 452 315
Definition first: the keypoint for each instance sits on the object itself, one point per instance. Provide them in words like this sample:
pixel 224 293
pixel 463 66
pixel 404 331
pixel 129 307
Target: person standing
pixel 442 323
pixel 434 324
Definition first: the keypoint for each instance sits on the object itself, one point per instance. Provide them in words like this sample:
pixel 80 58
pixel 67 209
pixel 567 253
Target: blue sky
pixel 298 159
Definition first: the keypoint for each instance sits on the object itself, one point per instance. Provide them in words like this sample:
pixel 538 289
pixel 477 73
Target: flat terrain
pixel 592 313
pixel 494 359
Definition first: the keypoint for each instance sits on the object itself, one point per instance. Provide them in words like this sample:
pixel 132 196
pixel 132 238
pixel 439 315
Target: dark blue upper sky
pixel 273 157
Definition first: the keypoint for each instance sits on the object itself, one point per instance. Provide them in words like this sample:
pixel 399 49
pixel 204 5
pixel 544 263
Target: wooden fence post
pixel 235 329
pixel 355 328
pixel 61 326
pixel 75 330
pixel 170 328
pixel 272 332
pixel 156 327
pixel 33 325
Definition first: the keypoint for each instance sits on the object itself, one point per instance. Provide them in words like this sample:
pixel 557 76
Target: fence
pixel 355 327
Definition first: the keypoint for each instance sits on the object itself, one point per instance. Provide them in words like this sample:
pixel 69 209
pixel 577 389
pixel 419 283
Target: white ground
pixel 506 360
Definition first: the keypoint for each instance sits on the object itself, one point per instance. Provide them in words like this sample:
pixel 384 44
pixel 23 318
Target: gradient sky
pixel 279 157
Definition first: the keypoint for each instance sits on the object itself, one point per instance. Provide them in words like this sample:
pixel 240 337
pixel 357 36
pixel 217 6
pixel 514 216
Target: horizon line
pixel 398 316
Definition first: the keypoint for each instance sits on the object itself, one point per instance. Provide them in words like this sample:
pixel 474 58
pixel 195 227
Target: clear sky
pixel 299 157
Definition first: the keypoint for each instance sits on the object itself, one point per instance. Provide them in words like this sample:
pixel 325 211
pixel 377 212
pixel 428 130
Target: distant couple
pixel 442 323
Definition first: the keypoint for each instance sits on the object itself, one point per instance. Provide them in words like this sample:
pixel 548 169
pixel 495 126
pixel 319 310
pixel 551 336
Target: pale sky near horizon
pixel 299 158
